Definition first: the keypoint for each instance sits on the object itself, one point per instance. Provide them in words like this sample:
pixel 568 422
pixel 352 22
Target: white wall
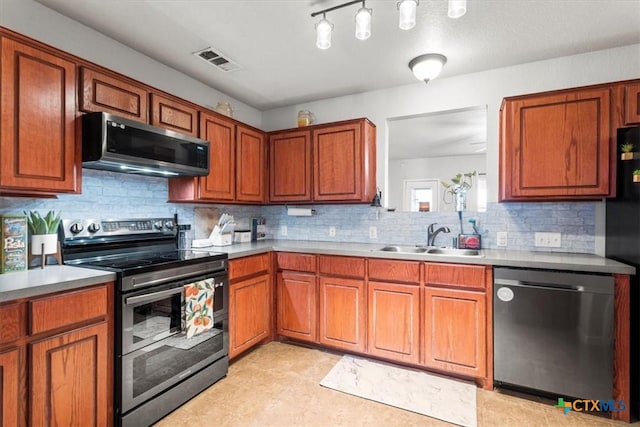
pixel 41 23
pixel 483 88
pixel 442 168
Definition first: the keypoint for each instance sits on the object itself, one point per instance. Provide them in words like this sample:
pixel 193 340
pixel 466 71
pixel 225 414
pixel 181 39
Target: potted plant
pixel 627 151
pixel 44 232
pixel 458 187
pixel 636 175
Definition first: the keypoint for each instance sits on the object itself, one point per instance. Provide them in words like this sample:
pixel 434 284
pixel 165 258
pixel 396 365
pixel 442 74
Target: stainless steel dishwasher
pixel 553 332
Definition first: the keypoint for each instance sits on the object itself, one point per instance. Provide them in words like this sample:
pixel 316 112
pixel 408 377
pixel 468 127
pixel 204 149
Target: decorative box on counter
pixel 469 241
pixel 14 243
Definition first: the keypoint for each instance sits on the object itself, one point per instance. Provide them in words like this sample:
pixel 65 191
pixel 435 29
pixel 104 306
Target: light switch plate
pixel 373 232
pixel 548 240
pixel 501 238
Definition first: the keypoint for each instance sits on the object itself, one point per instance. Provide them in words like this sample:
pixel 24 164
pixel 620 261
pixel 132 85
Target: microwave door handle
pixel 152 296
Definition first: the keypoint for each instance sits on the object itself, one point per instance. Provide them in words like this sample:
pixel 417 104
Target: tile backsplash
pixel 117 195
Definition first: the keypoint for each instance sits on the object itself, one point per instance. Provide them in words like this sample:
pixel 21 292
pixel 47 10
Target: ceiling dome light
pixel 363 23
pixel 427 67
pixel 457 8
pixel 407 14
pixel 323 33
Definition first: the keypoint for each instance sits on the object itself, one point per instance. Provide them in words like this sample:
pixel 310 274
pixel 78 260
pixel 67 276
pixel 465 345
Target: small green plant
pixel 43 225
pixel 636 172
pixel 461 181
pixel 627 147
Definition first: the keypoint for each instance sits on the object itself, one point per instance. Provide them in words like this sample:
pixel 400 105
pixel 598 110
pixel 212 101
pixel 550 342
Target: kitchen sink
pixel 431 251
pixel 404 249
pixel 453 252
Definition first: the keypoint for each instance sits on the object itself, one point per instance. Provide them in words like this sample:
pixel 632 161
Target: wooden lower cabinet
pixel 11 402
pixel 394 321
pixel 342 313
pixel 297 306
pixel 455 331
pixel 69 378
pixel 249 313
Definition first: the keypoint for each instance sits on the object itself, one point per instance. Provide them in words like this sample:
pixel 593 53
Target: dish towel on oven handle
pixel 197 307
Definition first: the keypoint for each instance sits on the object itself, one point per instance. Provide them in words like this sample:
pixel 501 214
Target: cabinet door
pixel 12 403
pixel 394 321
pixel 249 313
pixel 342 313
pixel 290 167
pixel 297 306
pixel 337 162
pixel 174 115
pixel 102 92
pixel 37 125
pixel 632 104
pixel 556 146
pixel 455 331
pixel 251 162
pixel 69 378
pixel 220 183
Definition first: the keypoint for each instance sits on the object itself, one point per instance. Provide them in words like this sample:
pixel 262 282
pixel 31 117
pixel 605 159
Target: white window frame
pixel 410 185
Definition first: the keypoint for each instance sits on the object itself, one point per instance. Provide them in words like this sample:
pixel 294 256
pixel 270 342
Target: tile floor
pixel 278 385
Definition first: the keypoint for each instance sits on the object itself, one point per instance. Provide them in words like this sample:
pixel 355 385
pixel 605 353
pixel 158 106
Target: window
pixel 421 195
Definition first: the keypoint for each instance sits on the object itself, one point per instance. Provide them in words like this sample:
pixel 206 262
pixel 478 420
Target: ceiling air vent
pixel 217 59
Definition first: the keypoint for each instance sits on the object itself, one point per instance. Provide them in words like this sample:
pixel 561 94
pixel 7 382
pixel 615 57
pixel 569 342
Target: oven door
pixel 156 352
pixel 153 314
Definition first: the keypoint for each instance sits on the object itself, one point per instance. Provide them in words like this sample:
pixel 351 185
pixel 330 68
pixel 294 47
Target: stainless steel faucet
pixel 431 234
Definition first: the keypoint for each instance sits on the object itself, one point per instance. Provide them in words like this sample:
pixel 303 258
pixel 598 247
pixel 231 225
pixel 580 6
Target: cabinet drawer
pixel 67 309
pixel 12 321
pixel 248 266
pixel 296 262
pixel 342 266
pixel 471 276
pixel 394 271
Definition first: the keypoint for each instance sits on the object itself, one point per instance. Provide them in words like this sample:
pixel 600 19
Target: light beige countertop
pixel 506 258
pixel 52 278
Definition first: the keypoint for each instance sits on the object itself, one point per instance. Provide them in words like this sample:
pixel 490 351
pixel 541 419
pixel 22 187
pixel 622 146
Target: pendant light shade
pixel 323 34
pixel 427 67
pixel 363 23
pixel 407 14
pixel 457 8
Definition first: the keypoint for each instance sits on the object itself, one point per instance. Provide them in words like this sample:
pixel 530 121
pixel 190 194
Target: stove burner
pixel 130 263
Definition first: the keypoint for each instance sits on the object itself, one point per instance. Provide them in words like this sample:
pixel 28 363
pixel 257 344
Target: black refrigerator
pixel 623 240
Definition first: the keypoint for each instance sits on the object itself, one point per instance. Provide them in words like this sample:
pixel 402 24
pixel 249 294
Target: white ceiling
pixel 447 133
pixel 274 41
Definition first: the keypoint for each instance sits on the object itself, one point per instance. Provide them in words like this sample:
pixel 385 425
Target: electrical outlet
pixel 373 232
pixel 283 230
pixel 501 238
pixel 332 231
pixel 548 240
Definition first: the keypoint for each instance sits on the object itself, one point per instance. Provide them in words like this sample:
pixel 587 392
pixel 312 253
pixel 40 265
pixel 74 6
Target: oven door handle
pixel 152 296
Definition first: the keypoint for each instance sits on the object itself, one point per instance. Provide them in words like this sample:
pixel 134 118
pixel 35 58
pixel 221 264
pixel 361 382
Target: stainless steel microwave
pixel 122 145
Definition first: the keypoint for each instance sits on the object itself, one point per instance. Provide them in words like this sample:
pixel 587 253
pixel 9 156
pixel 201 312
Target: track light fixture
pixel 427 67
pixel 407 11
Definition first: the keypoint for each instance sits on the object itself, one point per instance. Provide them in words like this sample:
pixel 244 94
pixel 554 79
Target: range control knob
pixel 76 228
pixel 168 225
pixel 157 225
pixel 93 227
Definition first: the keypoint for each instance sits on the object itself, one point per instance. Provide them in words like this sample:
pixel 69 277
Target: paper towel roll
pixel 300 211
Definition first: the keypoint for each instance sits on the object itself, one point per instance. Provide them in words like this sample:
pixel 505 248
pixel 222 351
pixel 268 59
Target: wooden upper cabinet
pixel 250 165
pixel 174 115
pixel 102 92
pixel 344 162
pixel 632 104
pixel 220 184
pixel 556 145
pixel 290 166
pixel 37 125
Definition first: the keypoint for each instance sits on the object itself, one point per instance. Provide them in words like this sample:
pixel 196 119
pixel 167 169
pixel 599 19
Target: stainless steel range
pixel 158 366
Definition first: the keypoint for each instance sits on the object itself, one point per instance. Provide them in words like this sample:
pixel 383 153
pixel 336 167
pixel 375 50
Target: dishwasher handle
pixel 548 286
